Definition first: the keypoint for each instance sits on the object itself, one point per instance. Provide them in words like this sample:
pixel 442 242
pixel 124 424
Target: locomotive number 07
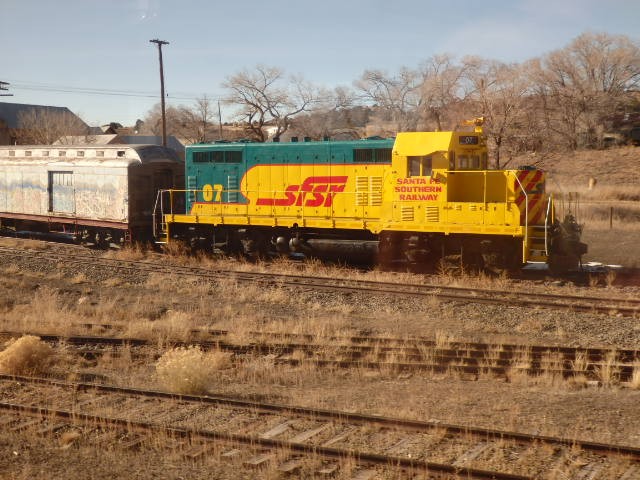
pixel 212 193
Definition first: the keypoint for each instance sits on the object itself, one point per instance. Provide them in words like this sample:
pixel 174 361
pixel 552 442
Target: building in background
pixel 22 123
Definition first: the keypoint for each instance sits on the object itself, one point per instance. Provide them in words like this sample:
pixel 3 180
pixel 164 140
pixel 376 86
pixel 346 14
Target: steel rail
pixel 344 417
pixel 272 444
pixel 626 306
pixel 463 360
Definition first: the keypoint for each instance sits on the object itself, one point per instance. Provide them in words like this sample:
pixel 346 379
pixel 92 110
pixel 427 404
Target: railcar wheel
pixel 101 240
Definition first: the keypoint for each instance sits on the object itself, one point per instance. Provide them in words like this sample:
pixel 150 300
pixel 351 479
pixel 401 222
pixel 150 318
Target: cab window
pixel 420 166
pixel 469 162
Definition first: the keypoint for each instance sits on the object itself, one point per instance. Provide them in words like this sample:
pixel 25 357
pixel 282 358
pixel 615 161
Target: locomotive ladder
pixel 535 247
pixel 539 246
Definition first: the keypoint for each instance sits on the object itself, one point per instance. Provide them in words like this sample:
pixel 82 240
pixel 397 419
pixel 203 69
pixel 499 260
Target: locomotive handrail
pixel 546 225
pixel 526 213
pixel 155 212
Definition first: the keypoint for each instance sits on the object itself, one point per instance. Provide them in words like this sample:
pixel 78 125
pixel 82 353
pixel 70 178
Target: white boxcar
pixel 97 193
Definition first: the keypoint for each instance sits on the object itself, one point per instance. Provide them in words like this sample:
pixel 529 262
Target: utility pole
pixel 219 121
pixel 164 121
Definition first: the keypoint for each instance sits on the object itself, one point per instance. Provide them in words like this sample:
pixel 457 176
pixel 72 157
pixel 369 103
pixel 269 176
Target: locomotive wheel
pixel 562 264
pixel 255 246
pixel 230 243
pixel 497 265
pixel 459 264
pixel 450 265
pixel 389 248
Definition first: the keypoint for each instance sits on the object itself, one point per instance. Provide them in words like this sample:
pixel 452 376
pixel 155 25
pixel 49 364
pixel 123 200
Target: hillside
pixel 610 211
pixel 612 168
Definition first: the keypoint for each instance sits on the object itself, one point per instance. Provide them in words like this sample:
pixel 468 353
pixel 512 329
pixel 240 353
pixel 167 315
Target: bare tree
pixel 331 115
pixel 265 96
pixel 153 120
pixel 500 93
pixel 43 126
pixel 397 95
pixel 204 113
pixel 582 85
pixel 442 87
pixel 195 124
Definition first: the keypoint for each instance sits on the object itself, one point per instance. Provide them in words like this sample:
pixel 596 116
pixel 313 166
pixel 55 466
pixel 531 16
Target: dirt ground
pixel 40 296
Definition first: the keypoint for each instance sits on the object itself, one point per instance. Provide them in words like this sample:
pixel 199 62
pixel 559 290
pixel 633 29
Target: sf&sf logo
pixel 313 192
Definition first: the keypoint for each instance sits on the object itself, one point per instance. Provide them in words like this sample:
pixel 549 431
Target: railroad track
pixel 619 306
pixel 473 358
pixel 308 434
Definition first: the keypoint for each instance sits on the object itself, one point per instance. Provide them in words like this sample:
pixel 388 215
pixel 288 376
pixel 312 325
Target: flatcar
pixel 100 194
pixel 423 198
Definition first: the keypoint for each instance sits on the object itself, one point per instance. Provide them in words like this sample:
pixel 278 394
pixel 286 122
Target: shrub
pixel 189 370
pixel 27 355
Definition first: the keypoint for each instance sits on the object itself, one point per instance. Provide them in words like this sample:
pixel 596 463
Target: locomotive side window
pixel 371 155
pixel 383 155
pixel 363 155
pixel 233 157
pixel 420 166
pixel 200 157
pixel 217 156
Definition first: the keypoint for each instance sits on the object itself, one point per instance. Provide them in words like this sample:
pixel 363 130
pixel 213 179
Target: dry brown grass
pixel 26 355
pixel 176 249
pixel 78 279
pixel 608 372
pixel 46 310
pixel 634 383
pixel 190 370
pixel 134 251
pixel 174 325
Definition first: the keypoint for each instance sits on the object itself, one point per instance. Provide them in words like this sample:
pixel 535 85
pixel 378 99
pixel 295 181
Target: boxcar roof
pixel 86 155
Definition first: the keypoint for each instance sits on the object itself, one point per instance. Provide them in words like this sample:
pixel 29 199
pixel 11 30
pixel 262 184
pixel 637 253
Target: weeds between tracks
pixel 161 307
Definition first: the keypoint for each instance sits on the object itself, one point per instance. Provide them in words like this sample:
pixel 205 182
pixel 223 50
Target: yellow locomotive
pixel 423 197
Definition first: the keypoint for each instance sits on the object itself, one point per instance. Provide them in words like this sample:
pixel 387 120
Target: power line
pixel 43 87
pixel 99 91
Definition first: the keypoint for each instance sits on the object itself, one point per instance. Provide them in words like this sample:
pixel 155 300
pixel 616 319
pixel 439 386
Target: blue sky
pixel 53 52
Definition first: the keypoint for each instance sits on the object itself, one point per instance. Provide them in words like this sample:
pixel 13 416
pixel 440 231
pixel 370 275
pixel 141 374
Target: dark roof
pixel 172 142
pixel 9 112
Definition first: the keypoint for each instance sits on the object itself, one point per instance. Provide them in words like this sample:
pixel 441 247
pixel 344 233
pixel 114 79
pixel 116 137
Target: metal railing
pixel 166 200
